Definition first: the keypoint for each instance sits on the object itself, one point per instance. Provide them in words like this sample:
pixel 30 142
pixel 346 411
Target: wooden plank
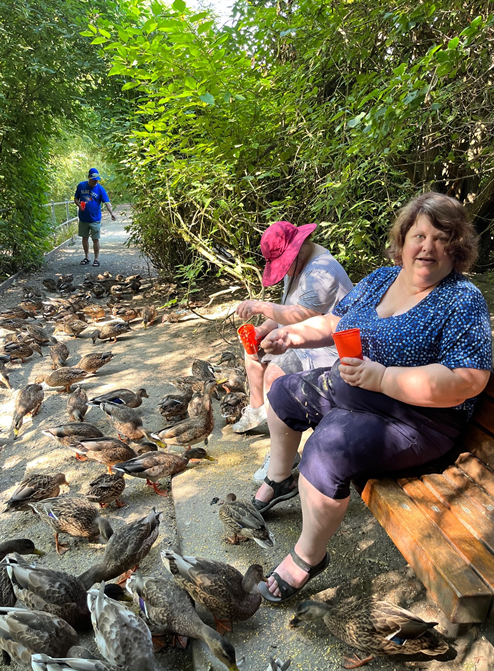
pixel 457 590
pixel 467 546
pixel 480 443
pixel 477 472
pixel 489 390
pixel 462 508
pixel 484 413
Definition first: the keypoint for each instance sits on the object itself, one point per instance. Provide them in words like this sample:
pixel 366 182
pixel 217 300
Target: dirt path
pixel 363 559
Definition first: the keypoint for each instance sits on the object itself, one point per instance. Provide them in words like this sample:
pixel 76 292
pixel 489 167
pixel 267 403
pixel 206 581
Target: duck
pixel 127 397
pixel 35 487
pixel 15 312
pixel 59 353
pixel 235 381
pixel 276 664
pixel 28 402
pixel 231 360
pixel 192 430
pixel 243 521
pixel 95 312
pixel 37 333
pixel 168 608
pixel 63 377
pixel 152 466
pixel 74 516
pixel 77 404
pixel 125 550
pixel 127 422
pixel 98 290
pixel 148 314
pixel 106 489
pixel 25 632
pixel 32 305
pixel 21 350
pixel 23 546
pixel 4 376
pixel 174 406
pixel 55 592
pixel 65 433
pixel 122 637
pixel 202 370
pixel 105 450
pixel 377 628
pixel 218 587
pixel 231 406
pixel 50 284
pixel 84 660
pixel 72 327
pixel 110 331
pixel 126 314
pixel 12 324
pixel 93 362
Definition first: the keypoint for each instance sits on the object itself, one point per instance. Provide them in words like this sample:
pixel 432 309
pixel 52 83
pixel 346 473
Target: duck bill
pixel 40 553
pixel 209 458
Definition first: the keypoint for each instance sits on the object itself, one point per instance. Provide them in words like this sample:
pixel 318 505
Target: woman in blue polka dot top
pixel 426 340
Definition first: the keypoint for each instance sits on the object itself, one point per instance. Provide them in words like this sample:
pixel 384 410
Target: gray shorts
pixel 92 229
pixel 288 362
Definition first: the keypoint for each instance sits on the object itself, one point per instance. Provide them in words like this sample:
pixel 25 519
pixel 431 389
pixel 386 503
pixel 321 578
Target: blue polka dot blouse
pixel 450 326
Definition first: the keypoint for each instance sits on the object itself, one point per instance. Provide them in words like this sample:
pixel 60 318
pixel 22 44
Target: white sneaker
pixel 262 472
pixel 251 418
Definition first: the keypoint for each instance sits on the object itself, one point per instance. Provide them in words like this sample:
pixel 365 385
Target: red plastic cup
pixel 83 205
pixel 247 336
pixel 348 343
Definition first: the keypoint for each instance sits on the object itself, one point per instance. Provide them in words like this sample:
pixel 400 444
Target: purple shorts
pixel 358 434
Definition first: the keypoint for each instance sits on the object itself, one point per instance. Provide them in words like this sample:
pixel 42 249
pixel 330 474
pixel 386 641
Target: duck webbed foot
pixel 355 662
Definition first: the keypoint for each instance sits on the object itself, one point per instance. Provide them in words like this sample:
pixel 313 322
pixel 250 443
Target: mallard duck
pixel 95 312
pixel 28 402
pixel 59 353
pixel 202 370
pixel 4 376
pixel 73 430
pixel 235 382
pixel 63 377
pixel 25 632
pixel 127 314
pixel 72 327
pixel 74 516
pixel 49 284
pixel 12 324
pixel 122 637
pixel 110 331
pixel 32 305
pixel 93 362
pixel 219 587
pixel 107 451
pixel 105 489
pixel 243 521
pixel 83 662
pixel 132 399
pixel 174 406
pixel 54 592
pixel 231 406
pixel 192 430
pixel 21 350
pixel 127 422
pixel 98 290
pixel 15 312
pixel 37 333
pixel 125 550
pixel 77 404
pixel 231 360
pixel 22 546
pixel 377 628
pixel 167 608
pixel 152 466
pixel 148 314
pixel 35 487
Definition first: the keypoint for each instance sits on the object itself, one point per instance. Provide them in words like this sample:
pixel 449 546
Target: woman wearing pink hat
pixel 314 283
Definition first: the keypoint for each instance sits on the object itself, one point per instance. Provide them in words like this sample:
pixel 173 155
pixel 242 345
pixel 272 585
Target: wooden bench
pixel 442 522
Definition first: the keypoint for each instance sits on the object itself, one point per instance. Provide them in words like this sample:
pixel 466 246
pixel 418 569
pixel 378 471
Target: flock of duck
pixel 42 611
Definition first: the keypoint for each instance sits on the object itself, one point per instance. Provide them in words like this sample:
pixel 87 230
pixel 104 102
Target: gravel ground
pixel 363 559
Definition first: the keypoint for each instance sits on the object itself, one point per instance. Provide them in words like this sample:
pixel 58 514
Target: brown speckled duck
pixel 377 628
pixel 33 488
pixel 127 422
pixel 106 489
pixel 93 362
pixel 63 377
pixel 127 397
pixel 218 587
pixel 243 522
pixel 28 402
pixel 59 353
pixel 110 331
pixel 77 430
pixel 106 450
pixel 22 546
pixel 77 406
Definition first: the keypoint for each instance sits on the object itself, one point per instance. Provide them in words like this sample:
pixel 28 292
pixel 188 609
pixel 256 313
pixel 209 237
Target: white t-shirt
pixel 320 287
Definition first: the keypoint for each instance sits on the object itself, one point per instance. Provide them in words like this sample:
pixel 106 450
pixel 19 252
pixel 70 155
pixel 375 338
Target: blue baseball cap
pixel 93 174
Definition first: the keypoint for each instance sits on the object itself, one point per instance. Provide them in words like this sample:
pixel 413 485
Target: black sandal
pixel 282 491
pixel 85 261
pixel 96 263
pixel 287 590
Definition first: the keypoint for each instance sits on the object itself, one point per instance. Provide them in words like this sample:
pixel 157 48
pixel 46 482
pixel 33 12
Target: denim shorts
pixel 358 434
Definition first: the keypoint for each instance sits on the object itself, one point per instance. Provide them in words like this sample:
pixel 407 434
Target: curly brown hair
pixel 446 214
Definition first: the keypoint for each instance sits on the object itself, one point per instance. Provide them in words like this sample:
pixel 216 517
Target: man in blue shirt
pixel 88 197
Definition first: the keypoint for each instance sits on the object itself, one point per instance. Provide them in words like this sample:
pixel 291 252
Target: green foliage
pixel 312 111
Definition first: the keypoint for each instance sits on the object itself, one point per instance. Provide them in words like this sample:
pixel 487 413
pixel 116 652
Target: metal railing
pixel 69 219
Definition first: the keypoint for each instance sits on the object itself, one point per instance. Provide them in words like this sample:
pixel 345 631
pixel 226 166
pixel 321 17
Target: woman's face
pixel 424 253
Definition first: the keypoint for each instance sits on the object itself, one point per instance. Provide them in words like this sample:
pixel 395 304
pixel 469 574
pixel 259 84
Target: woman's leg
pixel 321 518
pixel 255 374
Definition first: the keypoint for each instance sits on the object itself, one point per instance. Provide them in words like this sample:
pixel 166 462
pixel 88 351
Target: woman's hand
pixel 248 309
pixel 276 342
pixel 365 374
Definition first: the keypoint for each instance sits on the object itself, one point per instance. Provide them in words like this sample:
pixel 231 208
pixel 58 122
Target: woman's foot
pixel 290 573
pixel 291 576
pixel 271 493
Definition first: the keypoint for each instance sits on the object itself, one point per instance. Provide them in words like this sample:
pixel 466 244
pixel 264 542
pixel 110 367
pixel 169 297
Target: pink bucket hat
pixel 280 245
